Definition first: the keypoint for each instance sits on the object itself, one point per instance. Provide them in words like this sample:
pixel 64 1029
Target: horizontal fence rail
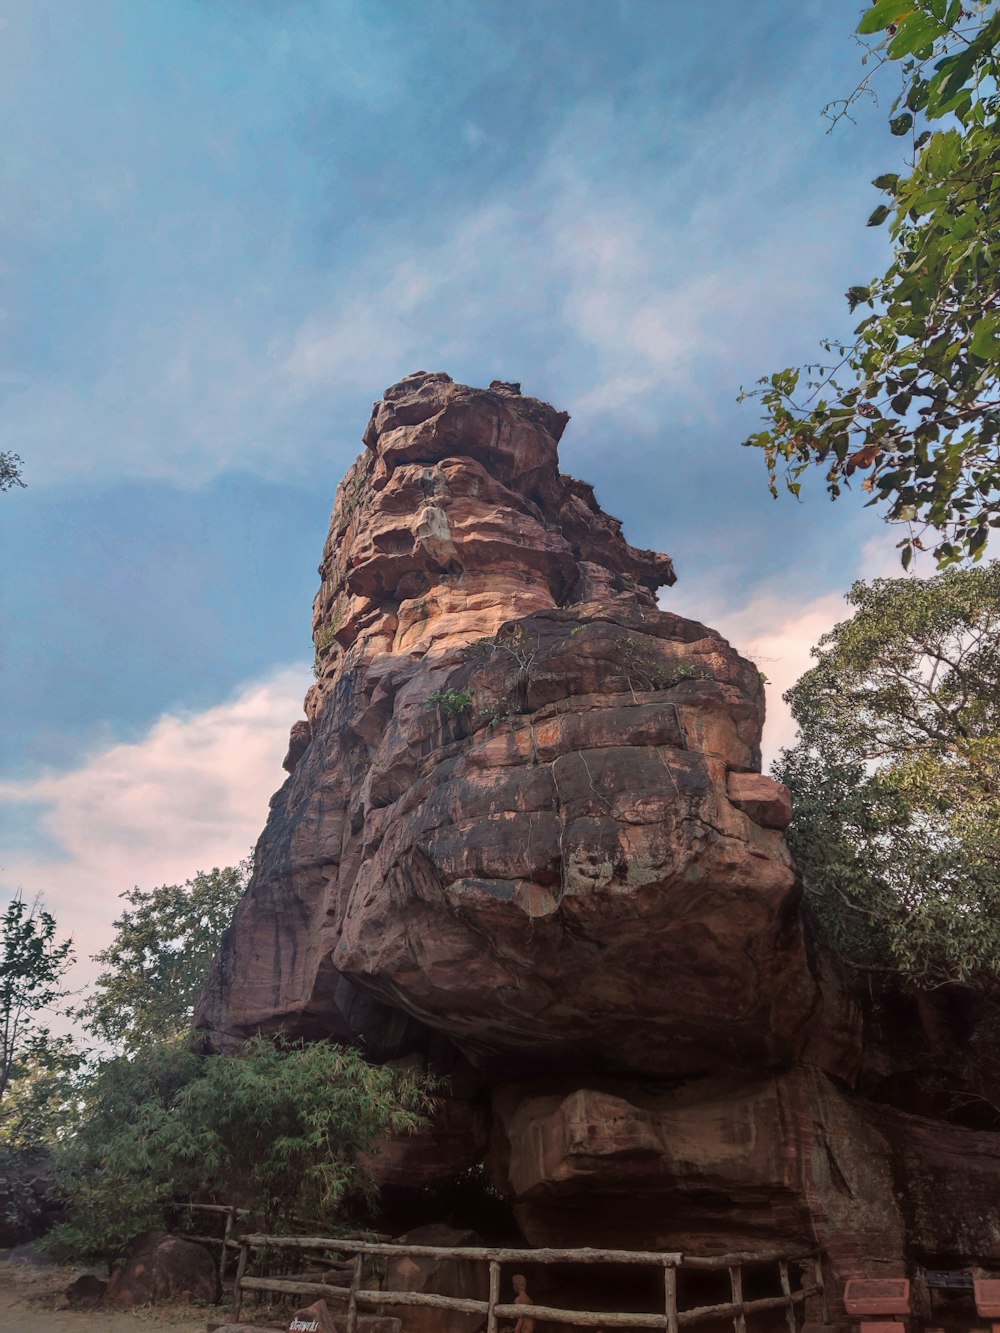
pixel 485 1253
pixel 672 1319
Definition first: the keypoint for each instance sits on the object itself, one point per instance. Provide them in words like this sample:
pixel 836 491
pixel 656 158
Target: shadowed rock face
pixel 572 881
pixel 520 818
pixel 709 1164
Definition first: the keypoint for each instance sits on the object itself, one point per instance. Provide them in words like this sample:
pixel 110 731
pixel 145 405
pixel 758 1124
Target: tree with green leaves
pixel 896 778
pixel 911 406
pixel 36 1067
pixel 278 1128
pixel 160 957
pixel 33 966
pixel 38 1108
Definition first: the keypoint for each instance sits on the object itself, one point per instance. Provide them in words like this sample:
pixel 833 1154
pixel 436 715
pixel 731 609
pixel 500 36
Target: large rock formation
pixel 522 816
pixel 526 840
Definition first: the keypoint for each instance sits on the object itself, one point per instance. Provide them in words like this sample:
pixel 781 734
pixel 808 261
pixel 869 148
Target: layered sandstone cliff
pixel 525 840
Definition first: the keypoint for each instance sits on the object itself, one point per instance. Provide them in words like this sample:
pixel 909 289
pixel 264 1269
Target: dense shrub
pixel 277 1128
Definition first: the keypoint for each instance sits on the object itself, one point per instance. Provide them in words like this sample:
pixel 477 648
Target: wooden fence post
pixel 491 1314
pixel 241 1268
pixel 740 1316
pixel 225 1249
pixel 818 1277
pixel 786 1288
pixel 352 1300
pixel 670 1296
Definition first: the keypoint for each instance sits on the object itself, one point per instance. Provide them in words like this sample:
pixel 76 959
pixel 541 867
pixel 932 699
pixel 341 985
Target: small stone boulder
pixel 379 1323
pixel 161 1268
pixel 84 1293
pixel 240 1328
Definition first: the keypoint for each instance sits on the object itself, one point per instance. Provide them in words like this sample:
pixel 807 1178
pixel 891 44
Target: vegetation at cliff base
pixel 910 409
pixel 277 1127
pixel 896 778
pixel 280 1127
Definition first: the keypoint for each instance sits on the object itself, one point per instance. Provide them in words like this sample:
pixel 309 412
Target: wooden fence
pixel 226 1240
pixel 672 1319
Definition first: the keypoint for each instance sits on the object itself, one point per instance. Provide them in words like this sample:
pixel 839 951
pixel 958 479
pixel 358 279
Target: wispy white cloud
pixel 625 291
pixel 190 794
pixel 615 288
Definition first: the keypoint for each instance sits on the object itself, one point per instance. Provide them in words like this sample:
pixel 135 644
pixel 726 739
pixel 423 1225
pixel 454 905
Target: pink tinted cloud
pixel 191 794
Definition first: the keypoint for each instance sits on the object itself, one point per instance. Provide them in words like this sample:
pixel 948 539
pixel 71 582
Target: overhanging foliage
pixel 911 408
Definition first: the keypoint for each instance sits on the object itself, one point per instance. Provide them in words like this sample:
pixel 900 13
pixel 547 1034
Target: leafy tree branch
pixel 31 971
pixel 10 471
pixel 911 407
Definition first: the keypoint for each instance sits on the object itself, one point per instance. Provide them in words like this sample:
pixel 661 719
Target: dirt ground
pixel 29 1296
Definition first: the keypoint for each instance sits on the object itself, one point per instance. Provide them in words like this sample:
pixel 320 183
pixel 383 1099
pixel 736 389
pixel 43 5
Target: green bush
pixel 278 1128
pixel 452 703
pixel 644 670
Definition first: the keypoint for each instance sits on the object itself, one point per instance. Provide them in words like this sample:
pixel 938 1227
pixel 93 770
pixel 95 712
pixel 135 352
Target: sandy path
pixel 28 1297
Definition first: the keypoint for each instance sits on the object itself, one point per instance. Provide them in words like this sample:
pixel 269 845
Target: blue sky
pixel 228 225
